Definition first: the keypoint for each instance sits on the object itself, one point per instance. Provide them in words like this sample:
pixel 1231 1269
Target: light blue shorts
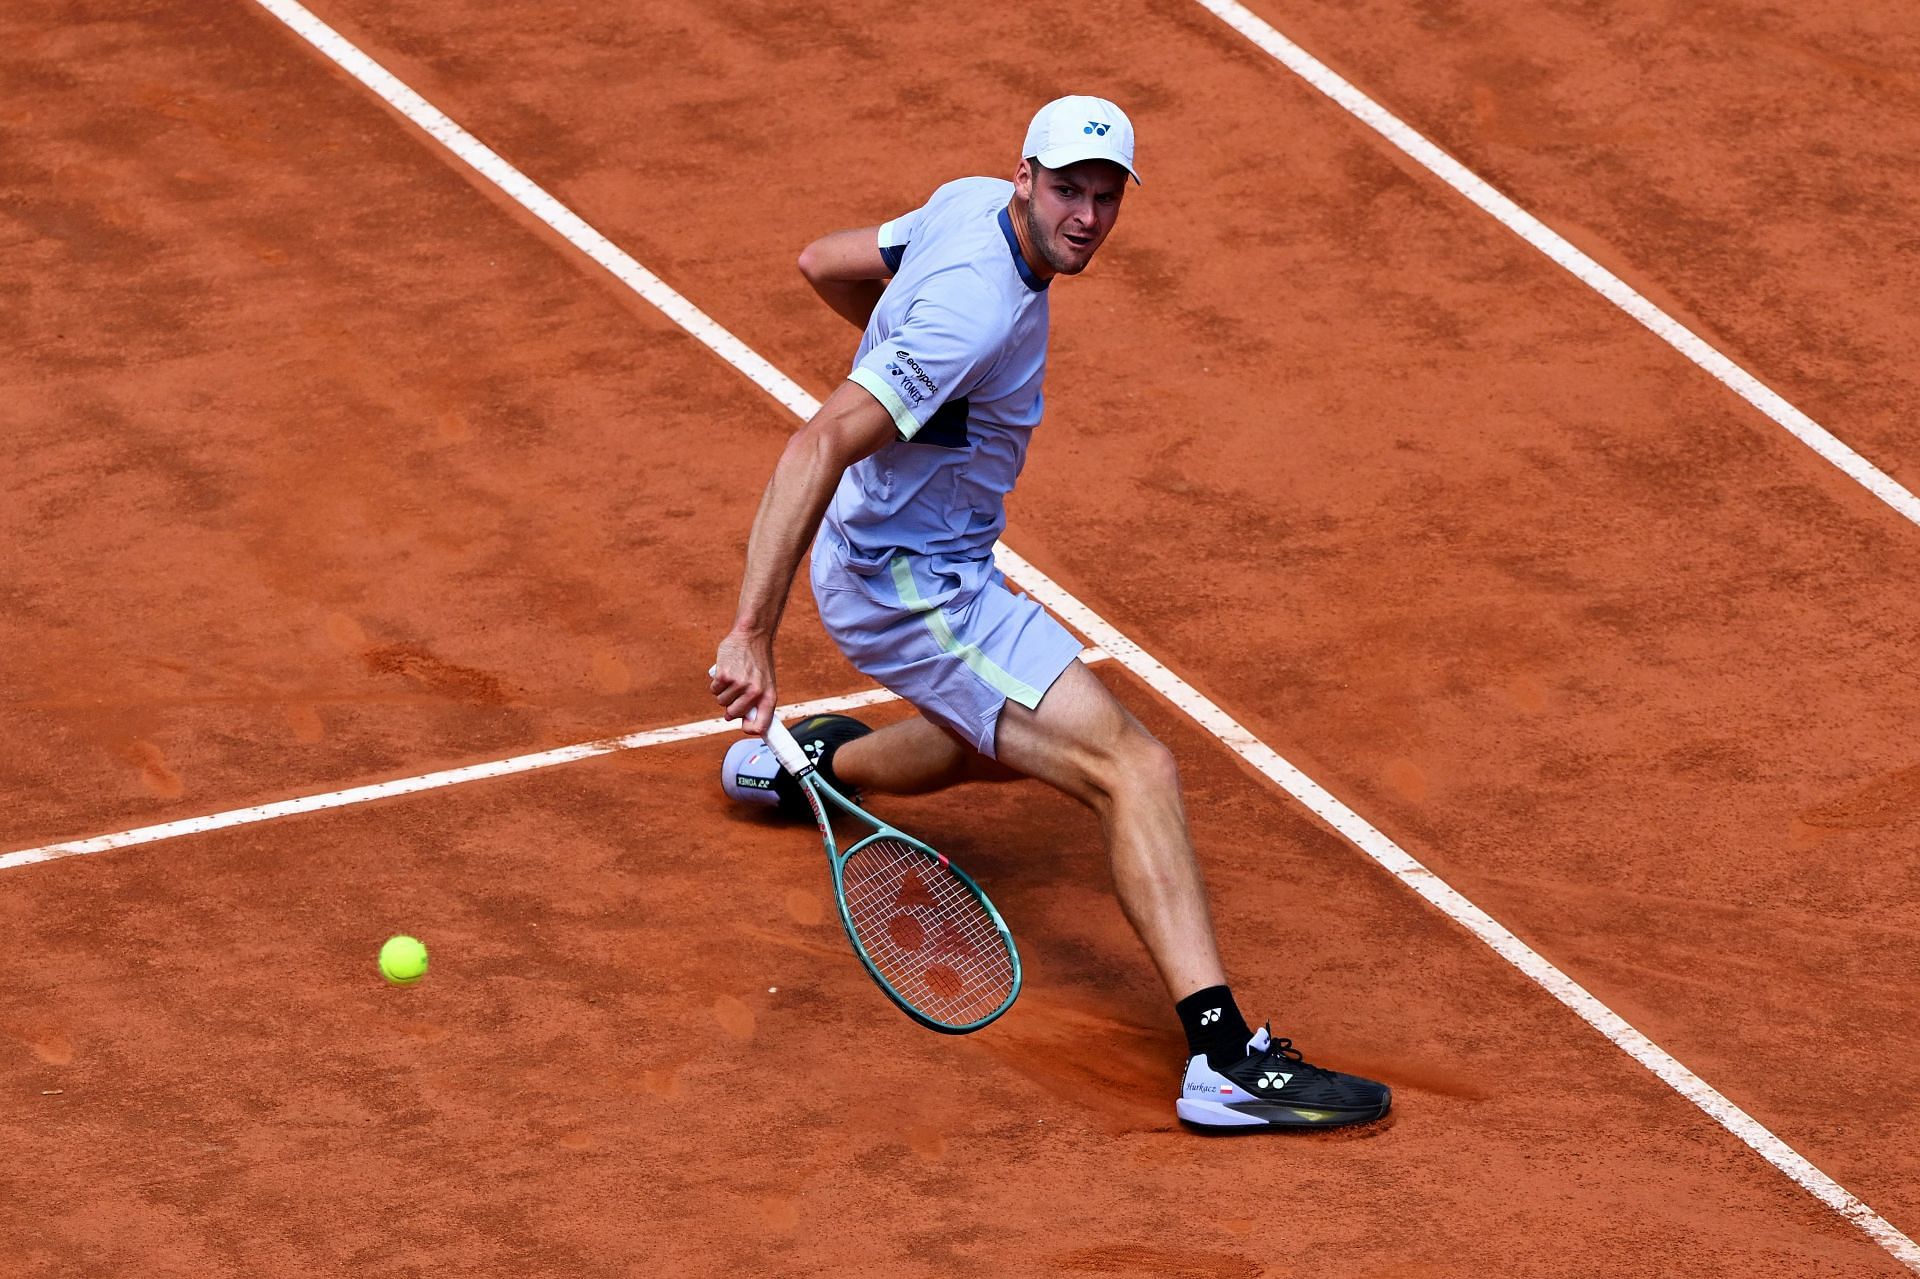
pixel 948 636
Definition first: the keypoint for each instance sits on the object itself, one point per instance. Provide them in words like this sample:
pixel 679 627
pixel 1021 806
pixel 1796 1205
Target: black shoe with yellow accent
pixel 752 775
pixel 1273 1086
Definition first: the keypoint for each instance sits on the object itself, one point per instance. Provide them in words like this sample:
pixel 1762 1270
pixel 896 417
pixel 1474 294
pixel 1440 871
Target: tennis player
pixel 910 461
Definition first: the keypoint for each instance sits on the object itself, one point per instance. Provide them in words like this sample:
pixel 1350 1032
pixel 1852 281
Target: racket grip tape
pixel 786 750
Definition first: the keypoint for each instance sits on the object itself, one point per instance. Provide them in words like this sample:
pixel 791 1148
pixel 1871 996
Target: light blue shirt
pixel 956 352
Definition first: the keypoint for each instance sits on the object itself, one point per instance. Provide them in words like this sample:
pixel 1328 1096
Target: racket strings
pixel 926 933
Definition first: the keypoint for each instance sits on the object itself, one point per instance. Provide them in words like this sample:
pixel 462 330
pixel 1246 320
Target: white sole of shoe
pixel 1213 1114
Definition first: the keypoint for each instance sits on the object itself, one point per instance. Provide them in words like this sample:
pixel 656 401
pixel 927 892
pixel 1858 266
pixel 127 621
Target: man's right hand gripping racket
pixel 924 930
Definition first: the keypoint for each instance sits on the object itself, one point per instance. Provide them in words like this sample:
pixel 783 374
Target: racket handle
pixel 785 749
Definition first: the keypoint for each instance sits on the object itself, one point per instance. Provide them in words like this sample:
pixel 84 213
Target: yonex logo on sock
pixel 1274 1080
pixel 1209 1016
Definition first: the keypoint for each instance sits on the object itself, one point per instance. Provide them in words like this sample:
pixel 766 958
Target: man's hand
pixel 742 679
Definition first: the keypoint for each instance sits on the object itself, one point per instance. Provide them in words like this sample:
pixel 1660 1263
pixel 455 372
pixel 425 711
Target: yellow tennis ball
pixel 403 961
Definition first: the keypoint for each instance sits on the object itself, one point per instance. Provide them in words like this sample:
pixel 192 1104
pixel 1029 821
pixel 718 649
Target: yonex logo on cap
pixel 1102 128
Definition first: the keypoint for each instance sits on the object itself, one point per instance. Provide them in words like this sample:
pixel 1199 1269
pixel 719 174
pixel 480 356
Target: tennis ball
pixel 403 961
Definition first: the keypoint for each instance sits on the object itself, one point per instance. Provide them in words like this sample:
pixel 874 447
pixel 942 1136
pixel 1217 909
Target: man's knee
pixel 1135 763
pixel 1083 742
pixel 1153 764
pixel 1160 770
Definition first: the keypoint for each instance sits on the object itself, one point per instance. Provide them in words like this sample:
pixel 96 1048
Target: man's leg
pixel 1083 742
pixel 913 757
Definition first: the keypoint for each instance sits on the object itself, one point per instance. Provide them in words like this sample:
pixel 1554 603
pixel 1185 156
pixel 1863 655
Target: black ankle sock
pixel 822 737
pixel 1214 1025
pixel 825 765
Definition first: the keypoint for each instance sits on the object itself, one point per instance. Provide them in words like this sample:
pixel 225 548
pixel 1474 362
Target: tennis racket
pixel 926 933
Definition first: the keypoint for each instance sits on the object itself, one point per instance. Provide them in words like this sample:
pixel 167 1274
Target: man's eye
pixel 1064 191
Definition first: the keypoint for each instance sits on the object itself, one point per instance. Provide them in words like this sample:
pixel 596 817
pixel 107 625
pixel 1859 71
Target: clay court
pixel 333 464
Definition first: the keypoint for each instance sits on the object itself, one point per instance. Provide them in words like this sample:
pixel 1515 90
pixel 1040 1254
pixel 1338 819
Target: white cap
pixel 1069 130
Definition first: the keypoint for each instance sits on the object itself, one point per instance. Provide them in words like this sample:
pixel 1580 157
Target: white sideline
pixel 1210 717
pixel 1476 921
pixel 1556 246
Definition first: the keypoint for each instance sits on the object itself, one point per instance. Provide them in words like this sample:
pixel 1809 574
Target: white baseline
pixel 411 785
pixel 434 781
pixel 1203 710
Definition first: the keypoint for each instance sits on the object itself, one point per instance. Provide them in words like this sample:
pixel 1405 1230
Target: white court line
pixel 434 781
pixel 414 785
pixel 1214 720
pixel 1556 246
pixel 1482 925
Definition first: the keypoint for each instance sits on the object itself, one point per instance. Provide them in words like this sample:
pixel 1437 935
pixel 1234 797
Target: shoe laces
pixel 1283 1049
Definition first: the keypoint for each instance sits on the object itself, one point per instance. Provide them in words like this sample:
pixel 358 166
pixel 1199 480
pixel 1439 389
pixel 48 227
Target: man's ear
pixel 1023 179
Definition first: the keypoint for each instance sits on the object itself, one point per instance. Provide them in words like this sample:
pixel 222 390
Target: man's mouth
pixel 1077 241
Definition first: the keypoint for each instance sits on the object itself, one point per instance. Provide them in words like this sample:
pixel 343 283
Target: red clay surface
pixel 331 468
pixel 321 467
pixel 1747 165
pixel 642 1045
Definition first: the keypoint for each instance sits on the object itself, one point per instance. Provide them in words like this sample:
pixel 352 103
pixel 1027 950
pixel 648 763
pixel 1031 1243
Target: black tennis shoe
pixel 1273 1086
pixel 752 775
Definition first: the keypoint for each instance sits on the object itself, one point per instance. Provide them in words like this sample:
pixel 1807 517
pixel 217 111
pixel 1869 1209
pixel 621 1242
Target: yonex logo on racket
pixel 922 929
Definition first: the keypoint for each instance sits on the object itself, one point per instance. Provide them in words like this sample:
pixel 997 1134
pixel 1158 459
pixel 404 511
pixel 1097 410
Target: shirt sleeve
pixel 896 235
pixel 944 349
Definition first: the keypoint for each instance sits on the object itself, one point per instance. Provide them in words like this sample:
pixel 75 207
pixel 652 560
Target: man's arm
pixel 848 427
pixel 847 271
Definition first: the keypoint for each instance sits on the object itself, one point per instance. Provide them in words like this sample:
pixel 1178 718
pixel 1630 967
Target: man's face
pixel 1070 210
